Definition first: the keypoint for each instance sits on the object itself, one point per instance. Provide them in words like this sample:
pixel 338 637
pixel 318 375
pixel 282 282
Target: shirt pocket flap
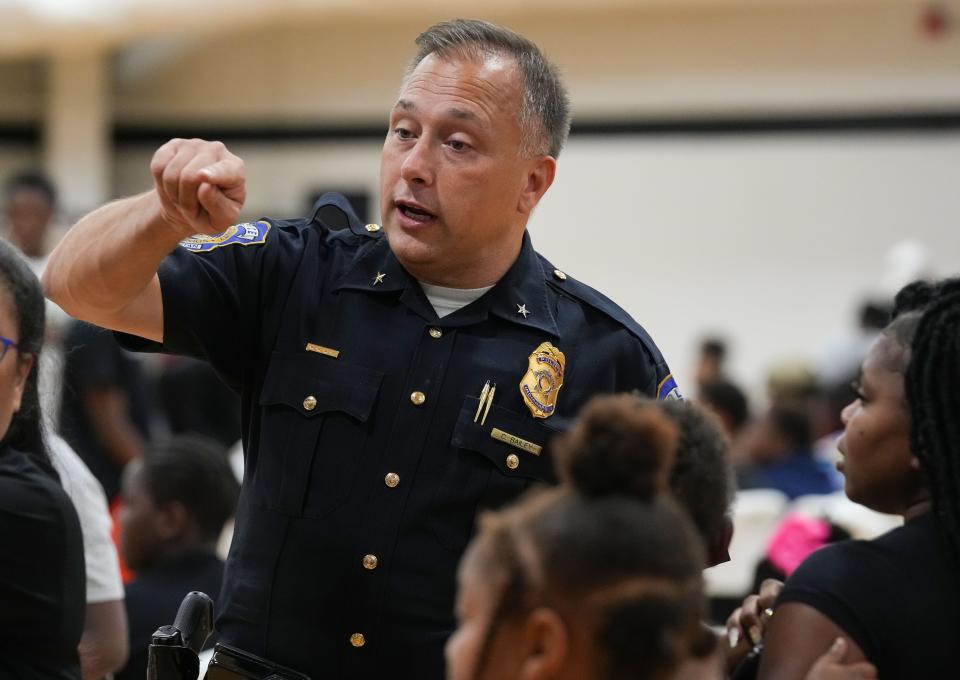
pixel 315 385
pixel 505 433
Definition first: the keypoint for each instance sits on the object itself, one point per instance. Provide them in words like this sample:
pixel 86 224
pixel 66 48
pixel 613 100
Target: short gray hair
pixel 545 106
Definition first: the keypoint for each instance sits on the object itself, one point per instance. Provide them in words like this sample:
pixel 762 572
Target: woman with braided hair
pixel 895 599
pixel 597 578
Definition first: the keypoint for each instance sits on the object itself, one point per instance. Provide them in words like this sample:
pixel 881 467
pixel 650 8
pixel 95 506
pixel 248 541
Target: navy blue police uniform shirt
pixel 366 462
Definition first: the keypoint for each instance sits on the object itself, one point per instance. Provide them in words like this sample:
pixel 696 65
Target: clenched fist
pixel 201 185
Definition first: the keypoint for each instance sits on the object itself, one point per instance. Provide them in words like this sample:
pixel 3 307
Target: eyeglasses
pixel 5 344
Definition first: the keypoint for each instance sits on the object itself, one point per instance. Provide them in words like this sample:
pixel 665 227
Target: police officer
pixel 394 380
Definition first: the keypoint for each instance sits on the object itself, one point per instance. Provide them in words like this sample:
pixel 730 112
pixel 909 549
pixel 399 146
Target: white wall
pixel 770 240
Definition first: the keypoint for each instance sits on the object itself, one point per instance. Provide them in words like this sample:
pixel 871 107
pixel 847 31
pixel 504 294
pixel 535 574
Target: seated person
pixel 597 578
pixel 702 483
pixel 702 478
pixel 899 456
pixel 177 499
pixel 103 645
pixel 780 455
pixel 41 559
pixel 729 403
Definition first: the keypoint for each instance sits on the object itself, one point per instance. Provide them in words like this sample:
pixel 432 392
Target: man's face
pixel 455 192
pixel 28 217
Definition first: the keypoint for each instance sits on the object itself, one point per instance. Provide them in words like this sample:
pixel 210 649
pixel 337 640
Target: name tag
pixel 319 349
pixel 515 441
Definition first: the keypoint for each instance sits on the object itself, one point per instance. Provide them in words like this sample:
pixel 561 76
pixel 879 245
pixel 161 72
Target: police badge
pixel 543 380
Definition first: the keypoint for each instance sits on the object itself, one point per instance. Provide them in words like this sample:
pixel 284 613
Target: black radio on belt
pixel 174 650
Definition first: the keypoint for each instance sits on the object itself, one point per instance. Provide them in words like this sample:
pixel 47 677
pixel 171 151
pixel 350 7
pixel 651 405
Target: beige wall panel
pixel 17 159
pixel 21 91
pixel 651 62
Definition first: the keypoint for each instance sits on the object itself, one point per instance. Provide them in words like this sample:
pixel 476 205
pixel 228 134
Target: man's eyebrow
pixel 461 114
pixel 452 112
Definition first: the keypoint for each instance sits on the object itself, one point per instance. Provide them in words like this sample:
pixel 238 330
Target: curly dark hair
pixel 608 548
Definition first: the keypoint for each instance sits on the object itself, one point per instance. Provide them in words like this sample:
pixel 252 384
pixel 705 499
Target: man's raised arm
pixel 105 269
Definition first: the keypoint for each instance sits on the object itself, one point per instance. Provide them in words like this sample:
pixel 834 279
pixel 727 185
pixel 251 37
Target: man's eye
pixel 403 133
pixel 458 145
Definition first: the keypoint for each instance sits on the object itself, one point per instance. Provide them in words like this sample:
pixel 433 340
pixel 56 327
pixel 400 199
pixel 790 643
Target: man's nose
pixel 417 165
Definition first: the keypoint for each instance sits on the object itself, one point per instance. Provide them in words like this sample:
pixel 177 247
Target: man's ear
pixel 540 174
pixel 546 644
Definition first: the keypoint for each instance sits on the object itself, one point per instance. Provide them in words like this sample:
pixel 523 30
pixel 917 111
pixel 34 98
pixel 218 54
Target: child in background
pixel 177 499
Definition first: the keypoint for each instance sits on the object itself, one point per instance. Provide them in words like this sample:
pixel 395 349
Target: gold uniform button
pixel 392 480
pixel 513 462
pixel 418 398
pixel 370 562
pixel 435 333
pixel 561 276
pixel 310 403
pixel 357 640
pixel 372 228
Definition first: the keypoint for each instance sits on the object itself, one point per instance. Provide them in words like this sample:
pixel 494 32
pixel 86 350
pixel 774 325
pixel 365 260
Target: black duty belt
pixel 230 663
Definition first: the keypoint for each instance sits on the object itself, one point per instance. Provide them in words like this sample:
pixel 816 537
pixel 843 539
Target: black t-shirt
pixel 153 598
pixel 896 596
pixel 93 359
pixel 42 586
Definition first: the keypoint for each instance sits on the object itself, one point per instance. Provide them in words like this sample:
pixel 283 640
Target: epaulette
pixel 333 212
pixel 562 282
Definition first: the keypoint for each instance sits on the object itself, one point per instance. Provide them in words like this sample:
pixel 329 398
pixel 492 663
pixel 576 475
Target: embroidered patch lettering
pixel 245 234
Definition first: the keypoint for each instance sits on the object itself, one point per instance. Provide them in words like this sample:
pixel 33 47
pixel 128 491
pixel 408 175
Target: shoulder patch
pixel 244 234
pixel 667 389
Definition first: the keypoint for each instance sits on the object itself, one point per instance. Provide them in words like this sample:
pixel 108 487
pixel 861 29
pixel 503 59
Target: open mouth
pixel 415 213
